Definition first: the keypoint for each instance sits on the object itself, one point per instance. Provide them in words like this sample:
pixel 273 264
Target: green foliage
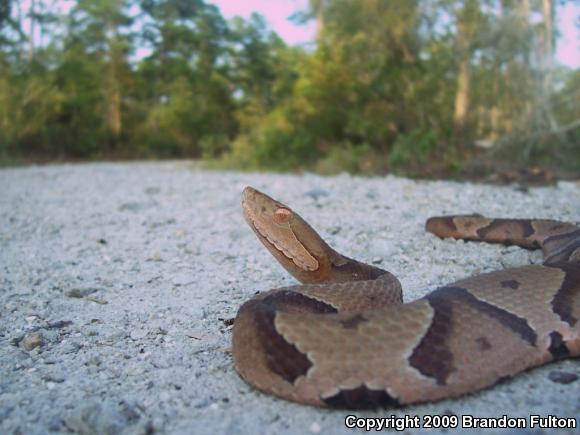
pixel 355 159
pixel 413 149
pixel 403 85
pixel 275 143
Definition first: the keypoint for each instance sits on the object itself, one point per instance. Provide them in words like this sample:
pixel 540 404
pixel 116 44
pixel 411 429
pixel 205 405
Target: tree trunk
pixel 523 11
pixel 548 59
pixel 462 93
pixel 548 42
pixel 114 108
pixel 318 8
pixel 31 17
pixel 466 24
pixel 113 91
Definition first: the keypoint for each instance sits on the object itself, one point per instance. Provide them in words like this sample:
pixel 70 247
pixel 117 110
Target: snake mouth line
pixel 309 263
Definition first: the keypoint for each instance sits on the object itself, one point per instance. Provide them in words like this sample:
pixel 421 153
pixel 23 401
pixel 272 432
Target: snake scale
pixel 346 339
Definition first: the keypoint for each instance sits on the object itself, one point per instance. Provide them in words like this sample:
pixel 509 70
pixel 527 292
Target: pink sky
pixel 277 12
pixel 568 51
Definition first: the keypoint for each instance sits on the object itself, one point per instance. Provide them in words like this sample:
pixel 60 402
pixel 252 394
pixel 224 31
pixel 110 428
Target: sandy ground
pixel 117 281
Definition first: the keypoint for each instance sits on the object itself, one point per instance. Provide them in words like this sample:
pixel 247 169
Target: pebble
pixel 182 279
pixel 55 378
pixel 107 418
pixel 93 360
pixel 79 292
pixel 515 259
pixel 563 377
pixel 315 427
pixel 136 370
pixel 138 334
pixel 32 340
pixel 316 193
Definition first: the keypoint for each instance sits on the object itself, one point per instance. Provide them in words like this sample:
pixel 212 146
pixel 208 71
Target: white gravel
pixel 116 280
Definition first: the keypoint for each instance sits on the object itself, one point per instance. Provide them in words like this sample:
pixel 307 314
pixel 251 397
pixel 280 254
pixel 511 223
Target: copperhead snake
pixel 346 339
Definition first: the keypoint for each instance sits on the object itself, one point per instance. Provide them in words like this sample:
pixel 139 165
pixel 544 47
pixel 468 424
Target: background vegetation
pixel 420 86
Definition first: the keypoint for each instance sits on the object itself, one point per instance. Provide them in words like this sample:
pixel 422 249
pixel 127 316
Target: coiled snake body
pixel 345 338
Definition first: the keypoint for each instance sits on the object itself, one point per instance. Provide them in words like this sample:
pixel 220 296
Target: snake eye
pixel 282 215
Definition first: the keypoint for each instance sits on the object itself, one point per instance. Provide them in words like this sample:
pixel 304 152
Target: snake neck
pixel 346 269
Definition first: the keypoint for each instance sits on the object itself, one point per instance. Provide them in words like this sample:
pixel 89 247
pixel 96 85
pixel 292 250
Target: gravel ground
pixel 118 280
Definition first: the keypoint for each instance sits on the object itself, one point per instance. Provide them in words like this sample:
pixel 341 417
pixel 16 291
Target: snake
pixel 343 338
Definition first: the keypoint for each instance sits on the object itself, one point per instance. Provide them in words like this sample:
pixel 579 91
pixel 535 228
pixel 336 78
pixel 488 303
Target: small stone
pixel 563 377
pixel 315 428
pixel 181 279
pixel 93 360
pixel 515 259
pixel 32 340
pixel 153 190
pixel 55 378
pixel 73 347
pixel 107 418
pixel 135 371
pixel 55 424
pixel 59 324
pixel 133 206
pixel 138 334
pixel 316 193
pixel 97 300
pixel 74 293
pixel 381 248
pixel 155 256
pixel 79 292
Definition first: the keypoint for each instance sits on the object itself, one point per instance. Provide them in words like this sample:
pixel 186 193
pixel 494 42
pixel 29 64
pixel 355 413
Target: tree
pixel 188 43
pixel 467 20
pixel 103 26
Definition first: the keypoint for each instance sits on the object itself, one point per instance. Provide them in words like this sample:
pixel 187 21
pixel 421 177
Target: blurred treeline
pixel 413 85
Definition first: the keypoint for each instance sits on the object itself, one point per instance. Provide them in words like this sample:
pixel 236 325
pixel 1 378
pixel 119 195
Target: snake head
pixel 287 236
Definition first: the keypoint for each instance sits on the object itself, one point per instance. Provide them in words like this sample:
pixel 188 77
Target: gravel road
pixel 118 280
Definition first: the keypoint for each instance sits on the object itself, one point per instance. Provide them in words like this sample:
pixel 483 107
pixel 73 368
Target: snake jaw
pixel 273 223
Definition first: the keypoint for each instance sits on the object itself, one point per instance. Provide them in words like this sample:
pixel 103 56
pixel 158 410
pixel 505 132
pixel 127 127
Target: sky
pixel 277 12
